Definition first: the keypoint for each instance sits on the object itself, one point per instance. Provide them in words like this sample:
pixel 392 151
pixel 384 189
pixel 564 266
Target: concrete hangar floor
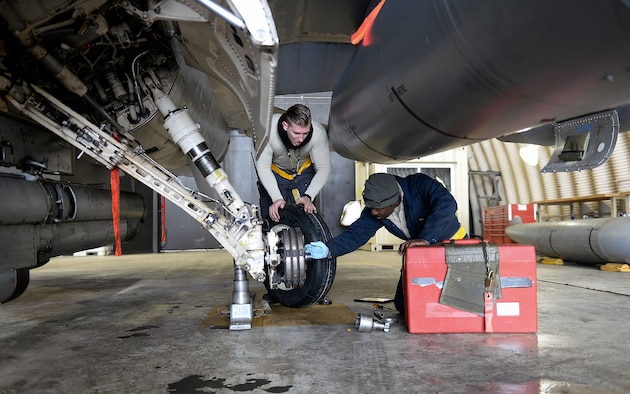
pixel 147 324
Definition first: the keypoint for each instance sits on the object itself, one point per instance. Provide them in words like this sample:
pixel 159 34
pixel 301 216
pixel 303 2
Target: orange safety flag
pixel 358 35
pixel 163 220
pixel 115 185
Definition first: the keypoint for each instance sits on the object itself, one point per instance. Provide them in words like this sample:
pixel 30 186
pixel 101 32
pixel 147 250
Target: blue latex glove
pixel 317 250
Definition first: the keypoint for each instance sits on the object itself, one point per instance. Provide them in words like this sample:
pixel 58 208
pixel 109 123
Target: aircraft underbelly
pixel 430 76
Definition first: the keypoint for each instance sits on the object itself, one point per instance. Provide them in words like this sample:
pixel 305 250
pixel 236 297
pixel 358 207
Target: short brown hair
pixel 298 114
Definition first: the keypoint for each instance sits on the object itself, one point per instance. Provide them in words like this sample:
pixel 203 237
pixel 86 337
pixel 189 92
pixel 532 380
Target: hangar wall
pixel 522 183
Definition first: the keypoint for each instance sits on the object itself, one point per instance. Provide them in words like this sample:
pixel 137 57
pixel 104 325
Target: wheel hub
pixel 286 260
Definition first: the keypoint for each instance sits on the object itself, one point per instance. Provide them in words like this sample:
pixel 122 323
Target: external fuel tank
pixel 41 219
pixel 434 75
pixel 589 241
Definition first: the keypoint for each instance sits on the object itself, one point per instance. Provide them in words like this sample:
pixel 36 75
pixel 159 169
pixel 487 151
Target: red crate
pixel 497 218
pixel 424 271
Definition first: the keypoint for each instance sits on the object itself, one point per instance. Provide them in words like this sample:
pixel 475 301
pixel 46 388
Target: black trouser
pixel 286 186
pixel 399 298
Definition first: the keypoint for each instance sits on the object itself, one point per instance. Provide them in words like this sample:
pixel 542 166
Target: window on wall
pixel 440 174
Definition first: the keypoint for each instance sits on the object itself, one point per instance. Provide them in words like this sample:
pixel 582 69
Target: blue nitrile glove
pixel 317 250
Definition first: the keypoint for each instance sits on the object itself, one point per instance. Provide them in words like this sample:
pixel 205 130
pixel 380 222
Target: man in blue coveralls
pixel 417 209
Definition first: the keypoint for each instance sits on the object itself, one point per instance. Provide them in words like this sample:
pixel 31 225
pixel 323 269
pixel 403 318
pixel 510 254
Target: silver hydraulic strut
pixel 185 133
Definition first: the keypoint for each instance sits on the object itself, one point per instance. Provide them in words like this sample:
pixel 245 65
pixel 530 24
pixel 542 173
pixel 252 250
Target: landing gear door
pixel 584 143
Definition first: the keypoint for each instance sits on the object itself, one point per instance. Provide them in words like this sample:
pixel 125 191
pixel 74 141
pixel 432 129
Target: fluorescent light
pixel 529 154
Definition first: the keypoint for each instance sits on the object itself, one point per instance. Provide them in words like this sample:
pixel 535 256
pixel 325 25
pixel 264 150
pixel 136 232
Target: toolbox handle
pixel 465 241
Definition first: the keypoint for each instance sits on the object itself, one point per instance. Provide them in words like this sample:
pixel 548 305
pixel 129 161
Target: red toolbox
pixel 424 273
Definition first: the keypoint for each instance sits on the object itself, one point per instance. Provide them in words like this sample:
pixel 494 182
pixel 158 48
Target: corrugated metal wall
pixel 521 183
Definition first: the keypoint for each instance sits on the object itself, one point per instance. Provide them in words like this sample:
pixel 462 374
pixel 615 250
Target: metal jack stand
pixel 241 310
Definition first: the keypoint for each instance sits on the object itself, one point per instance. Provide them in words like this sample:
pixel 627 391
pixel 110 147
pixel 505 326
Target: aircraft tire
pixel 13 283
pixel 319 273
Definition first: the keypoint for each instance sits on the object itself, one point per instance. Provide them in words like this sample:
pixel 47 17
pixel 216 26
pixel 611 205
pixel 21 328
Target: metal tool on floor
pixel 367 323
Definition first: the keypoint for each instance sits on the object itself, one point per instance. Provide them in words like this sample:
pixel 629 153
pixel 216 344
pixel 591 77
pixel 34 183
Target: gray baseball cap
pixel 381 190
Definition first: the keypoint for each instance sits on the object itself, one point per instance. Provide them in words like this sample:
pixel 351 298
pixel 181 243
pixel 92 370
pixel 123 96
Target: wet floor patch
pixel 197 384
pixel 283 316
pixel 136 332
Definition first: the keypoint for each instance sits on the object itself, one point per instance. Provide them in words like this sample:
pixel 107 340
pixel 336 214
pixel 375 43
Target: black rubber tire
pixel 319 273
pixel 23 277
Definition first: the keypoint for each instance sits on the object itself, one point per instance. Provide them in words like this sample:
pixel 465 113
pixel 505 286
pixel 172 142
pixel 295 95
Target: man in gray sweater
pixel 295 164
